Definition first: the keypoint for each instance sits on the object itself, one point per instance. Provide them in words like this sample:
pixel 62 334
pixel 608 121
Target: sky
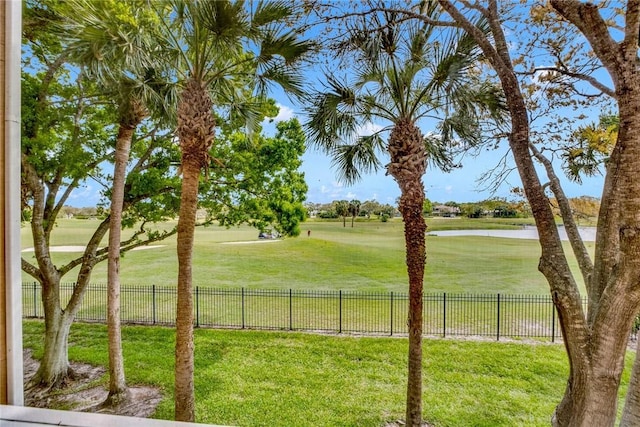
pixel 460 185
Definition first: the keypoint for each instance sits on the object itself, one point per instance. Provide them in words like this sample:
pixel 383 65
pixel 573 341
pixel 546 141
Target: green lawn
pixel 251 378
pixel 368 257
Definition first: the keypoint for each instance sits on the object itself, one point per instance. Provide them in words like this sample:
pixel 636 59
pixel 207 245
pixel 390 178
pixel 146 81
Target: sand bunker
pixel 249 242
pixel 81 248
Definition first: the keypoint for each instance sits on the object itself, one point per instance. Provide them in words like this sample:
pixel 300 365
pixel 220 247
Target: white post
pixel 13 278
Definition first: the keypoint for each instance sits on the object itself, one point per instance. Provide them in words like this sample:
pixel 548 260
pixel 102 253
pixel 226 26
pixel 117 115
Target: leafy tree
pixel 66 136
pixel 402 77
pixel 595 340
pixel 590 147
pixel 208 41
pixel 258 182
pixel 472 210
pixel 427 207
pixel 112 40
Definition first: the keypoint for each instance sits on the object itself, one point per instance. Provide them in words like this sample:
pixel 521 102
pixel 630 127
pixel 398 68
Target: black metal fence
pixel 379 313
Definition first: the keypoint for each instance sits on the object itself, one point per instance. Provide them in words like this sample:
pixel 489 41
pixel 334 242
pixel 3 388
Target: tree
pixel 595 340
pixel 208 41
pixel 590 147
pixel 260 183
pixel 342 209
pixel 427 207
pixel 402 77
pixel 63 145
pixel 68 133
pixel 354 210
pixel 112 40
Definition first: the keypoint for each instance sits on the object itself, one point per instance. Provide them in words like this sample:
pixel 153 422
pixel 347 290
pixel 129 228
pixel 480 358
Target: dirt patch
pixel 85 392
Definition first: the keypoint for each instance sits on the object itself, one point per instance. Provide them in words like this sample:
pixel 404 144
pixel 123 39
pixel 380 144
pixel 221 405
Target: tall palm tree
pixel 218 49
pixel 403 77
pixel 114 43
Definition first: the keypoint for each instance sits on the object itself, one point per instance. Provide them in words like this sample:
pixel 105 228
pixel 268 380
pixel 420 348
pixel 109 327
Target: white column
pixel 13 275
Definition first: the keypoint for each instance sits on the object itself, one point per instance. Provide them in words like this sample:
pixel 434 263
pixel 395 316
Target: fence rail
pixel 488 315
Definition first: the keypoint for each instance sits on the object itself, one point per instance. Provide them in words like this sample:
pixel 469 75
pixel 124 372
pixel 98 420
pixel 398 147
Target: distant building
pixel 445 211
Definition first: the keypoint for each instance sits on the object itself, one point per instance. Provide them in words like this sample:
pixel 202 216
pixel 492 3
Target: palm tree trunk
pixel 195 130
pixel 184 389
pixel 118 391
pixel 414 229
pixel 407 166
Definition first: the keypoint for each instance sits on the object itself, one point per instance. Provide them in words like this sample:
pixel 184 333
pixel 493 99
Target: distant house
pixel 445 211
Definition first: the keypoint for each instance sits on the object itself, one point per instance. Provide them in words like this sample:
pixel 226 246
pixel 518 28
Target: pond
pixel 527 232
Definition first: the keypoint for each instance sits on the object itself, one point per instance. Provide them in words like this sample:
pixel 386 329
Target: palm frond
pixel 287 46
pixel 225 21
pixel 291 81
pixel 268 12
pixel 354 160
pixel 439 153
pixel 331 117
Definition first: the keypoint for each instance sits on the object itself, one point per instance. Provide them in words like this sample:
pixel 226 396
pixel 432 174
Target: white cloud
pixel 284 114
pixel 368 129
pixel 350 196
pixel 448 188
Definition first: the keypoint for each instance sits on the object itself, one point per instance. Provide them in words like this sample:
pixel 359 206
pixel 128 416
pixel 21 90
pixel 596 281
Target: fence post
pixel 498 325
pixel 290 309
pixel 35 300
pixel 197 308
pixel 153 303
pixel 340 310
pixel 444 315
pixel 553 322
pixel 391 298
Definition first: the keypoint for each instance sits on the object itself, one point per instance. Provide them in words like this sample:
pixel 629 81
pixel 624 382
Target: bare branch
pixel 581 76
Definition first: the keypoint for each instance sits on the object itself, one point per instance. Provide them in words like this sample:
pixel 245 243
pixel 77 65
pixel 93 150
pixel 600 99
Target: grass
pixel 251 378
pixel 368 257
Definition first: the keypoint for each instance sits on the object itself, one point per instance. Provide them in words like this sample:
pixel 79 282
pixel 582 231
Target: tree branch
pixel 581 76
pixel 586 17
pixel 577 244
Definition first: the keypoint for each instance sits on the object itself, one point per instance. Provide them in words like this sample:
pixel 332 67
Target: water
pixel 527 232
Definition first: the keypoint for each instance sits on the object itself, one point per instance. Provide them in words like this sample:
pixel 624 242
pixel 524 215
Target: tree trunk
pixel 196 132
pixel 184 389
pixel 595 342
pixel 414 229
pixel 118 391
pixel 54 367
pixel 407 166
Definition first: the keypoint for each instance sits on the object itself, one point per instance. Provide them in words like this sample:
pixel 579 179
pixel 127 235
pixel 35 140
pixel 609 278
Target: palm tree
pixel 354 210
pixel 208 42
pixel 114 48
pixel 342 209
pixel 403 77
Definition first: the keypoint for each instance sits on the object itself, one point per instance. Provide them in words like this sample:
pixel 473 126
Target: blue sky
pixel 461 185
